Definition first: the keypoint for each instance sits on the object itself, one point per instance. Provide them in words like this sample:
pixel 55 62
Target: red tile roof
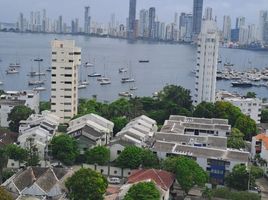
pixel 264 138
pixel 162 178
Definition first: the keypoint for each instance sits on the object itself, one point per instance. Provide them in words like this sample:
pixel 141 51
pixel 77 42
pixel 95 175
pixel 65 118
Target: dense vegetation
pixel 143 191
pixel 98 155
pixel 226 193
pixel 86 184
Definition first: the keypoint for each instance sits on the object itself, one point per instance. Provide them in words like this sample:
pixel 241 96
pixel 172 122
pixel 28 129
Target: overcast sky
pixel 101 10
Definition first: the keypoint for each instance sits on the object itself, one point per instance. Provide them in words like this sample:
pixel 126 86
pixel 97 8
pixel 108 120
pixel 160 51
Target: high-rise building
pixel 151 22
pixel 144 23
pixel 263 26
pixel 240 21
pixel 227 25
pixel 207 60
pixel 208 13
pixel 21 23
pixel 87 20
pixel 197 16
pixel 66 58
pixel 131 19
pixel 186 27
pixel 60 25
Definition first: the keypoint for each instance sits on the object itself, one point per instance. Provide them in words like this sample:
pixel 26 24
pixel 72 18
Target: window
pixel 61 45
pixel 53 67
pixel 53 82
pixel 54 60
pixel 68 68
pixel 70 61
pixel 68 82
pixel 118 152
pixel 53 75
pixel 67 97
pixel 115 172
pixel 77 53
pixel 68 75
pixel 54 53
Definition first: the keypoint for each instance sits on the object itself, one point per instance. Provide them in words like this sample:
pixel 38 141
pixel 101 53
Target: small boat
pixel 228 64
pixel 85 82
pixel 37 74
pixel 133 88
pixel 125 94
pixel 127 80
pixel 103 79
pixel 1 83
pixel 81 86
pixel 105 82
pixel 13 65
pixel 36 82
pixel 39 89
pixel 242 84
pixel 122 70
pixel 144 61
pixel 12 71
pixel 49 69
pixel 88 64
pixel 38 60
pixel 94 75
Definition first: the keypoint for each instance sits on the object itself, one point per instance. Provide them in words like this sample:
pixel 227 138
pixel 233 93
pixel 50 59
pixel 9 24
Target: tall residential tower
pixel 131 19
pixel 87 20
pixel 207 60
pixel 197 16
pixel 66 58
pixel 227 26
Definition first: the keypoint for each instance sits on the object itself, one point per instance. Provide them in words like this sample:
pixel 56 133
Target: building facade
pixel 207 60
pixel 227 24
pixel 66 58
pixel 131 19
pixel 87 20
pixel 151 23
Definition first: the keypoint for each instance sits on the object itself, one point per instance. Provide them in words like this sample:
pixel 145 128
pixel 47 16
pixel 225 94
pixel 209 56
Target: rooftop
pixel 7 137
pixel 264 138
pixel 162 178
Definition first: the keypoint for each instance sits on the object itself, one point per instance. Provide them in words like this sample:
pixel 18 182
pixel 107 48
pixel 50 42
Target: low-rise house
pixel 217 162
pixel 259 145
pixel 91 130
pixel 15 98
pixel 37 131
pixel 139 132
pixel 163 180
pixel 45 120
pixel 196 126
pixel 249 106
pixel 37 182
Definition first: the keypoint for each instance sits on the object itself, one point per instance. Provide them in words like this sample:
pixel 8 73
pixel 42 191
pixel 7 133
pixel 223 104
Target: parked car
pixel 113 180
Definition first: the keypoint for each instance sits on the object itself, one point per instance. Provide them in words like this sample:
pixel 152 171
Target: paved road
pixel 263 184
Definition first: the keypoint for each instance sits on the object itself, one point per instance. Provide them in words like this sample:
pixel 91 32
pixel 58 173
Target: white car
pixel 113 180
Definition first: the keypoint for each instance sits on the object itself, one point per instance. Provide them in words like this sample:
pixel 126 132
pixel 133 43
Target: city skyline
pixel 101 10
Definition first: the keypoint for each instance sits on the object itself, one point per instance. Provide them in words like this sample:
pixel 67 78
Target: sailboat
pixel 15 64
pixel 82 84
pixel 38 82
pixel 104 80
pixel 128 79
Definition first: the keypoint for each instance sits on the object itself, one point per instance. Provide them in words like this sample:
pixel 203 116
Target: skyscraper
pixel 151 22
pixel 186 27
pixel 263 26
pixel 207 60
pixel 21 23
pixel 131 19
pixel 240 21
pixel 208 13
pixel 87 20
pixel 227 25
pixel 66 58
pixel 197 16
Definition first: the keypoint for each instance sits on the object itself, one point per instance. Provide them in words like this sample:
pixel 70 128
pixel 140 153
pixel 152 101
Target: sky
pixel 101 10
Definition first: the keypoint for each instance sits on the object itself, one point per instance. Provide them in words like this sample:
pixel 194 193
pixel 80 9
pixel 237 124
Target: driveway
pixel 263 184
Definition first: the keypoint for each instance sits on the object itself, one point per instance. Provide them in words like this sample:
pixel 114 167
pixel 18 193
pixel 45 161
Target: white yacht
pixel 12 71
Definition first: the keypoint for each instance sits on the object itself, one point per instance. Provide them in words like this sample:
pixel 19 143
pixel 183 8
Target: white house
pixel 15 98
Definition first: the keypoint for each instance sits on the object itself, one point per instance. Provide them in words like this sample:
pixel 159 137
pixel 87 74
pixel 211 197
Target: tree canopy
pixel 99 155
pixel 4 195
pixel 64 148
pixel 133 157
pixel 251 95
pixel 188 172
pixel 16 153
pixel 264 116
pixel 86 184
pixel 17 114
pixel 235 140
pixel 247 126
pixel 238 178
pixel 143 191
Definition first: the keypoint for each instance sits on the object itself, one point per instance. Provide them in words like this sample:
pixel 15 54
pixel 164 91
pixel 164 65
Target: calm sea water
pixel 169 64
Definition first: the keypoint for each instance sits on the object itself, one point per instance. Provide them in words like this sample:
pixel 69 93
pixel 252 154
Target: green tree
pixel 235 140
pixel 119 123
pixel 132 157
pixel 256 171
pixel 178 95
pixel 251 95
pixel 3 162
pixel 226 110
pixel 264 116
pixel 65 149
pixel 86 184
pixel 44 105
pixel 204 109
pixel 207 193
pixel 17 114
pixel 16 153
pixel 143 191
pixel 99 155
pixel 238 178
pixel 247 126
pixel 4 195
pixel 188 172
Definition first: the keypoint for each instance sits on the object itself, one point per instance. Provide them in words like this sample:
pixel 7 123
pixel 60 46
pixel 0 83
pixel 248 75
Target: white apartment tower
pixel 66 58
pixel 227 28
pixel 207 60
